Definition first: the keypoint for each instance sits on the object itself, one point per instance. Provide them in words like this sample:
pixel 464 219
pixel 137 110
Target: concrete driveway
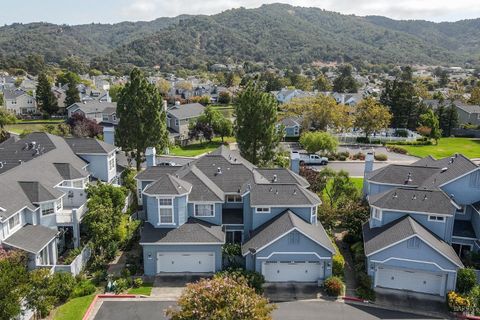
pixel 278 292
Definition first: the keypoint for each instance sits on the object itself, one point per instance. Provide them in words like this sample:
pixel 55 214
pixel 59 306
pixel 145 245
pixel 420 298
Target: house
pixel 291 125
pixel 43 200
pixel 349 99
pixel 19 102
pixel 424 217
pixel 100 111
pixel 192 210
pixel 467 114
pixel 285 95
pixel 179 117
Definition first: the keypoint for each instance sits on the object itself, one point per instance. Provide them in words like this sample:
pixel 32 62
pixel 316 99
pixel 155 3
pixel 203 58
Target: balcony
pixel 71 215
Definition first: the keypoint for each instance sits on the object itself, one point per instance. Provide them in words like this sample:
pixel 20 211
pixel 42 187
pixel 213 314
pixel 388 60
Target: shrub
pixel 121 285
pixel 457 302
pixel 62 285
pixel 381 157
pixel 138 282
pixel 365 293
pixel 401 133
pixel 338 265
pixel 397 149
pixel 253 279
pixel 466 280
pixel 72 254
pixel 358 156
pixel 83 288
pixel 364 280
pixel 333 286
pixel 342 158
pixel 363 140
pixel 99 276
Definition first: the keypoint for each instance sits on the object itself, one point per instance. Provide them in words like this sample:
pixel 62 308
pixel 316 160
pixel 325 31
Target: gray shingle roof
pixel 400 174
pixel 168 185
pixel 193 231
pixel 416 200
pixel 68 172
pixel 468 108
pixel 186 111
pixel 31 238
pixel 283 175
pixel 282 194
pixel 89 145
pixel 282 224
pixel 376 239
pixel 205 189
pixel 13 94
pixel 290 121
pixel 36 192
pixel 93 106
pixel 154 173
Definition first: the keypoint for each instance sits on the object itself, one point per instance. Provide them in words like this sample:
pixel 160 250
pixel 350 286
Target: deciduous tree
pixel 13 281
pixel 371 116
pixel 318 141
pixel 430 120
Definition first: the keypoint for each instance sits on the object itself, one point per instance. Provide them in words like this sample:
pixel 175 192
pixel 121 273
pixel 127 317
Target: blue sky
pixel 111 11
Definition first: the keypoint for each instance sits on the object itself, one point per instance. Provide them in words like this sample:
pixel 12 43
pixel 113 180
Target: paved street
pixel 305 310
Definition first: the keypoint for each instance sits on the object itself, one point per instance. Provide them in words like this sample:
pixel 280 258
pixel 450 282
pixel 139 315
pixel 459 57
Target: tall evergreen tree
pixel 256 115
pixel 448 118
pixel 142 121
pixel 46 100
pixel 345 82
pixel 72 93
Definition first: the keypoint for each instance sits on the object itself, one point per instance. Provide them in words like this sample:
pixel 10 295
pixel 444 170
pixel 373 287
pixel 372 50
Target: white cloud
pixel 435 10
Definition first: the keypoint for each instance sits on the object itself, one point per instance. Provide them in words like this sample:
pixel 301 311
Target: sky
pixel 111 11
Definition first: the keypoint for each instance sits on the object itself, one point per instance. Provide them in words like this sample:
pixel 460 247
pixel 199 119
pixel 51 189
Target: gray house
pixel 424 218
pixel 42 199
pixel 179 117
pixel 468 114
pixel 192 210
pixel 100 111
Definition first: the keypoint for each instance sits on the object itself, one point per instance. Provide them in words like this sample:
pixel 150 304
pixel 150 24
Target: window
pixel 59 204
pixel 165 215
pixel 296 130
pixel 47 208
pixel 105 117
pixel 234 198
pixel 436 218
pixel 204 210
pixel 234 236
pixel 114 117
pixel 313 217
pixel 377 214
pixel 413 243
pixel 14 221
pixel 111 163
pixel 176 122
pixel 262 210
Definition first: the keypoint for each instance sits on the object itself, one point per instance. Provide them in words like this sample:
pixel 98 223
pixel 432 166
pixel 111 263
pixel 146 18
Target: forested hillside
pixel 277 33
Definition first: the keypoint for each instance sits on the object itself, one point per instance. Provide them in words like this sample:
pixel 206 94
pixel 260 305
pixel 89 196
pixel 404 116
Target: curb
pixel 100 296
pixel 468 317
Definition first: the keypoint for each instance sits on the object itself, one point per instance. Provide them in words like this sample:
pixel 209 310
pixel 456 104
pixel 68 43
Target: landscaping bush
pixel 358 156
pixel 338 263
pixel 254 279
pixel 466 280
pixel 401 133
pixel 72 254
pixel 333 286
pixel 83 288
pixel 397 149
pixel 138 282
pixel 342 158
pixel 99 276
pixel 121 285
pixel 62 285
pixel 457 302
pixel 365 293
pixel 381 157
pixel 363 140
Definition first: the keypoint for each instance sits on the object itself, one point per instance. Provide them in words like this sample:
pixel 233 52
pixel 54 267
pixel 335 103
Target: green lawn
pixel 20 127
pixel 145 289
pixel 74 309
pixel 358 183
pixel 447 147
pixel 41 121
pixel 196 149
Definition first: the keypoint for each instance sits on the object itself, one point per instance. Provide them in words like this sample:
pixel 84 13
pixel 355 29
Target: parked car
pixel 311 159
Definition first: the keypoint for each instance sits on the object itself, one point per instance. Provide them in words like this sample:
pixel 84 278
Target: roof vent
pixel 425 197
pixel 249 186
pixel 1 165
pixel 235 160
pixel 294 191
pixel 414 197
pixel 444 169
pixel 219 170
pixel 275 178
pixel 409 178
pixel 456 155
pixel 395 195
pixel 276 191
pixel 271 189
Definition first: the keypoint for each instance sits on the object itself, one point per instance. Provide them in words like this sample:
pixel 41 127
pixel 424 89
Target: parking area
pixel 305 310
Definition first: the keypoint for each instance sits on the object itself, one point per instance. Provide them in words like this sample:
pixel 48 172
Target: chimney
pixel 150 155
pixel 295 162
pixel 368 168
pixel 109 135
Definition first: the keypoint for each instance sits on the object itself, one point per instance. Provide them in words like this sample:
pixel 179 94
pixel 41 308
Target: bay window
pixel 165 211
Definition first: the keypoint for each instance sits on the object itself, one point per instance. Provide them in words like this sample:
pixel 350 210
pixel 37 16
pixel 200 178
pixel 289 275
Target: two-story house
pixel 192 210
pixel 42 192
pixel 179 117
pixel 468 114
pixel 19 102
pixel 291 126
pixel 423 217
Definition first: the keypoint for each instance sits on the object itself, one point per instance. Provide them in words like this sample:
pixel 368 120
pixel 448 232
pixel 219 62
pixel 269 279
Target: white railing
pixel 69 215
pixel 76 266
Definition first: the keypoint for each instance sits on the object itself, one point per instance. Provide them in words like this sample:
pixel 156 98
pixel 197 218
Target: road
pixel 354 169
pixel 295 310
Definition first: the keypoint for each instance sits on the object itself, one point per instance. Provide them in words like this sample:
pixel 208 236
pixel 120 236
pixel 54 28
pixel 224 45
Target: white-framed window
pixel 47 208
pixel 262 209
pixel 296 130
pixel 233 198
pixel 436 218
pixel 313 216
pixel 105 117
pixel 59 204
pixel 204 210
pixel 111 163
pixel 14 221
pixel 377 214
pixel 165 211
pixel 114 117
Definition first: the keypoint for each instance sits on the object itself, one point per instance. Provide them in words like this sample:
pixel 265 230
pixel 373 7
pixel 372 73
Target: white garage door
pixel 186 262
pixel 410 280
pixel 301 271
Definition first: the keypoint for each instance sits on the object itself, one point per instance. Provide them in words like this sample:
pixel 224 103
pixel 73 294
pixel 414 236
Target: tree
pixel 46 100
pixel 198 130
pixel 318 141
pixel 74 64
pixel 164 87
pixel 72 93
pixel 256 116
pixel 6 117
pixel 114 91
pixel 371 116
pixel 466 280
pixel 224 128
pixel 224 97
pixel 221 298
pixel 13 281
pixel 345 82
pixel 39 297
pixel 430 120
pixel 447 118
pixel 81 126
pixel 322 83
pixel 142 120
pixel 320 112
pixel 475 95
pixel 336 187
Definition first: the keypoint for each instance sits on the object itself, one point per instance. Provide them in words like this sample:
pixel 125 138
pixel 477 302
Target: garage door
pixel 301 271
pixel 186 262
pixel 410 280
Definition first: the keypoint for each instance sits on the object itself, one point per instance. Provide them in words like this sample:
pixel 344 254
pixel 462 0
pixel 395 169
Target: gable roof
pixel 193 231
pixel 155 172
pixel 68 172
pixel 414 200
pixel 378 239
pixel 282 194
pixel 280 226
pixel 36 192
pixel 468 108
pixel 399 174
pixel 282 175
pixel 168 185
pixel 31 238
pixel 186 111
pixel 94 106
pixel 13 94
pixel 89 146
